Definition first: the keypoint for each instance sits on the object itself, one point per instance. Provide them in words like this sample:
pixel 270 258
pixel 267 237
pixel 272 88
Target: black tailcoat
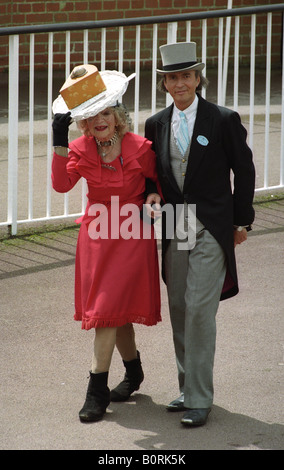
pixel 219 179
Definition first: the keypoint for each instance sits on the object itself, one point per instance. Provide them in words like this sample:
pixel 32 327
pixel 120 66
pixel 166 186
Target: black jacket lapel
pixel 163 145
pixel 200 140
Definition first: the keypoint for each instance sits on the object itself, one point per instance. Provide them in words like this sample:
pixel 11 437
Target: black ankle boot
pixel 97 399
pixel 133 378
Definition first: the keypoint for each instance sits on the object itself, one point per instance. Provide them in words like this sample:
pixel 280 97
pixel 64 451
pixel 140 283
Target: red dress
pixel 116 271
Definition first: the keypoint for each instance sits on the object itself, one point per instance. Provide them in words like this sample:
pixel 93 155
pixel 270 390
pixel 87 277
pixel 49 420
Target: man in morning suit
pixel 197 152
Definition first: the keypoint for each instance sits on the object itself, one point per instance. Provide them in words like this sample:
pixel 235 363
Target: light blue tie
pixel 182 134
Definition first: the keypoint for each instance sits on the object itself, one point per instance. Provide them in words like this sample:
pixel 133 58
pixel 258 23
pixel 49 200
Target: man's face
pixel 182 87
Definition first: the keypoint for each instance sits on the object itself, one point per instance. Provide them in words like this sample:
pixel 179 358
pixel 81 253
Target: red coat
pixel 116 276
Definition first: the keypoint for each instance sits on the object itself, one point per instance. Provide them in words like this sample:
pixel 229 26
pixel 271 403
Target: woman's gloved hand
pixel 60 128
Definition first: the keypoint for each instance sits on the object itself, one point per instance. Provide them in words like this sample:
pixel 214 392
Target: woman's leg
pixel 104 343
pixel 98 394
pixel 125 342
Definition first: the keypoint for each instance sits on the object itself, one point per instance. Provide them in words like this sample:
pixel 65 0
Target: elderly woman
pixel 116 272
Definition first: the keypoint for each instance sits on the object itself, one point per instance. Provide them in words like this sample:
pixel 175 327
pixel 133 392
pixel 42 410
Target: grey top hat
pixel 179 56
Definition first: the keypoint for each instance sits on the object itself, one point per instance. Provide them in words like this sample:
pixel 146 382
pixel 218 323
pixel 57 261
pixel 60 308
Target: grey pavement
pixel 45 356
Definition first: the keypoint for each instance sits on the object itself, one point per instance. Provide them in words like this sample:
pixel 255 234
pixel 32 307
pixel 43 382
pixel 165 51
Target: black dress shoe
pixel 177 405
pixel 195 416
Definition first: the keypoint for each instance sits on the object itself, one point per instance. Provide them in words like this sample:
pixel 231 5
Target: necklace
pixel 108 166
pixel 108 143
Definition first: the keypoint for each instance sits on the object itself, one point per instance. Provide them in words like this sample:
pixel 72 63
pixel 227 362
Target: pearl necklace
pixel 108 143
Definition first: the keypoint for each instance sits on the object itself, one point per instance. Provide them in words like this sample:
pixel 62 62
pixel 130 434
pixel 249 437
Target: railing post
pixel 171 38
pixel 120 49
pixel 236 63
pixel 220 63
pixel 31 126
pixel 154 66
pixel 226 53
pixel 103 48
pixel 67 73
pixel 204 55
pixel 252 80
pixel 267 99
pixel 137 80
pixel 49 125
pixel 282 114
pixel 13 133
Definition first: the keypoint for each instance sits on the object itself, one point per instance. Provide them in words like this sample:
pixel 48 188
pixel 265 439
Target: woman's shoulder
pixel 131 136
pixel 82 144
pixel 134 144
pixel 79 142
pixel 136 140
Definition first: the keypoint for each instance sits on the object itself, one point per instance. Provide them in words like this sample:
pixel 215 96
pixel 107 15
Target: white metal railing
pixel 13 218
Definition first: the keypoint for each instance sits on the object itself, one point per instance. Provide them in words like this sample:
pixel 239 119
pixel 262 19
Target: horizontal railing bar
pixel 45 219
pixel 48 28
pixel 79 214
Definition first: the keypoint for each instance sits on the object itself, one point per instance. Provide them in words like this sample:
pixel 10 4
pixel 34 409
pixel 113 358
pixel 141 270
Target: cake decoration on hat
pixel 106 89
pixel 83 83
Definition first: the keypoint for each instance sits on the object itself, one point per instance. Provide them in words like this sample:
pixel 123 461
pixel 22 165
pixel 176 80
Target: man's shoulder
pixel 160 115
pixel 216 108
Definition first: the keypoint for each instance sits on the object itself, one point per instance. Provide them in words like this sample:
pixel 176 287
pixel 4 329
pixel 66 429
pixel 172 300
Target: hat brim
pixel 116 85
pixel 198 66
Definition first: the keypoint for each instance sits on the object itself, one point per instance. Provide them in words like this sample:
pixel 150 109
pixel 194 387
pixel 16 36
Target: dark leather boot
pixel 133 378
pixel 97 398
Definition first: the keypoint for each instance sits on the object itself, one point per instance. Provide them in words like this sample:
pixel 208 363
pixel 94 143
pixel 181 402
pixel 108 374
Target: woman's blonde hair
pixel 123 122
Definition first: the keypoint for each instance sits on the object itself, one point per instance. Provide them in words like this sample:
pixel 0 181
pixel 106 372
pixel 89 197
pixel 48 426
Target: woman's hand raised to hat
pixel 60 128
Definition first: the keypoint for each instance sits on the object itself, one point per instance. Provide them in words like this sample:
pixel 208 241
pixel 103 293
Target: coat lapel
pixel 200 140
pixel 163 145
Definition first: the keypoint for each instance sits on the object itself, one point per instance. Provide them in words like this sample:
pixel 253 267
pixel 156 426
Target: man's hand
pixel 153 206
pixel 240 237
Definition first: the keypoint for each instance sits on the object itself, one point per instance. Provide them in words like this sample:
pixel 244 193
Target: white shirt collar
pixel 189 112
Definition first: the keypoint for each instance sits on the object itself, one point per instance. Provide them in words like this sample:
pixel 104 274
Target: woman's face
pixel 102 126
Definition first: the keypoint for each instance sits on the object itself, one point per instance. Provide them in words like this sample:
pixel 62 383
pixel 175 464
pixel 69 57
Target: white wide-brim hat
pixel 179 56
pixel 116 85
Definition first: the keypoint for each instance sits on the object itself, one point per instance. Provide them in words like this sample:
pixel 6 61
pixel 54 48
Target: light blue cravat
pixel 182 134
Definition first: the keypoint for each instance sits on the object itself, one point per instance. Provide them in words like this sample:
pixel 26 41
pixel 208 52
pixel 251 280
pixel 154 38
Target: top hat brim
pixel 181 67
pixel 116 85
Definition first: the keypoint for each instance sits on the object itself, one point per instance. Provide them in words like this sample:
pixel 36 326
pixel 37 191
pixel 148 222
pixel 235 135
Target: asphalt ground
pixel 45 356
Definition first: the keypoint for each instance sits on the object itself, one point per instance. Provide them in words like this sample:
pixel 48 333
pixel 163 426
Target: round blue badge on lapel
pixel 202 140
